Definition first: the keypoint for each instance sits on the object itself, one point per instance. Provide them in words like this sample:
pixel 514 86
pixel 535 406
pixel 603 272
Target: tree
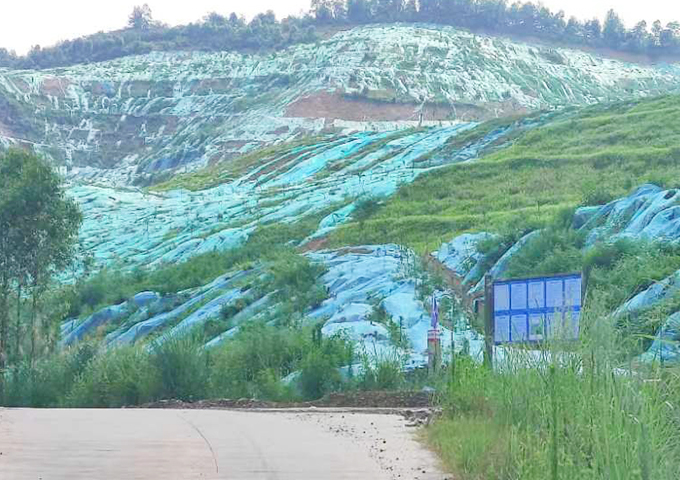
pixel 38 233
pixel 489 14
pixel 670 36
pixel 358 11
pixel 141 18
pixel 638 38
pixel 388 10
pixel 214 20
pixel 614 31
pixel 7 58
pixel 574 31
pixel 410 13
pixel 323 10
pixel 593 30
pixel 432 10
pixel 656 32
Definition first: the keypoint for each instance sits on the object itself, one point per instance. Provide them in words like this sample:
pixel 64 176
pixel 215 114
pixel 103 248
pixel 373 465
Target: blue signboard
pixel 537 309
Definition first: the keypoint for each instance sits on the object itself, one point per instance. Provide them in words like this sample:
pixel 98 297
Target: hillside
pixel 281 226
pixel 138 120
pixel 581 156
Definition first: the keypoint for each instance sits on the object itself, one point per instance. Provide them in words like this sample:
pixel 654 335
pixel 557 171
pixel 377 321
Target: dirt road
pixel 216 444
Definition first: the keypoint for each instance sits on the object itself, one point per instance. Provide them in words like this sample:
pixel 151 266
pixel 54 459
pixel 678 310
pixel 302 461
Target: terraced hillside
pixel 281 226
pixel 137 120
pixel 498 196
pixel 579 156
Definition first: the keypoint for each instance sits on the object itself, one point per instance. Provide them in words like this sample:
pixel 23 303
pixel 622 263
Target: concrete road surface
pixel 209 444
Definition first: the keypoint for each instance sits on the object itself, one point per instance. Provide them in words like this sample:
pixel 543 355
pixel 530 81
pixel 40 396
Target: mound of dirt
pixel 397 400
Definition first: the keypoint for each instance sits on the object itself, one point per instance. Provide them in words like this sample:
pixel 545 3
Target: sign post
pixel 434 349
pixel 533 310
pixel 434 346
pixel 488 321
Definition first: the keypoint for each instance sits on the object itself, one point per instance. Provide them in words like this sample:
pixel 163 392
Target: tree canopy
pixel 264 32
pixel 38 232
pixel 141 17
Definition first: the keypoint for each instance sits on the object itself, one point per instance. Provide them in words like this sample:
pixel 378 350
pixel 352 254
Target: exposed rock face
pixel 126 120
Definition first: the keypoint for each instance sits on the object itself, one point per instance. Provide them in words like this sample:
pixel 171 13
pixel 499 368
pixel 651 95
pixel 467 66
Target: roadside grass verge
pixel 576 412
pixel 253 364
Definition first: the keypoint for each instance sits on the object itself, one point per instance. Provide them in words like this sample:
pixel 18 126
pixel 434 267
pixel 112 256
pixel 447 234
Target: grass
pixel 222 172
pixel 587 157
pixel 569 416
pixel 251 365
pixel 271 243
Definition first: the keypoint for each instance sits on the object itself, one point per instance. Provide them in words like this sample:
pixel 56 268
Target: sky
pixel 24 23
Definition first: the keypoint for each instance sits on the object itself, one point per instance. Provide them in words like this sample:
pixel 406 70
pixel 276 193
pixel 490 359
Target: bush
pixel 182 366
pixel 295 279
pixel 319 375
pixel 46 383
pixel 255 361
pixel 366 209
pixel 382 373
pixel 121 377
pixel 238 366
pixel 552 251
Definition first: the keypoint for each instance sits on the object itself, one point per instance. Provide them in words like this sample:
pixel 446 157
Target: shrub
pixel 120 377
pixel 47 382
pixel 319 375
pixel 382 373
pixel 552 251
pixel 182 366
pixel 238 366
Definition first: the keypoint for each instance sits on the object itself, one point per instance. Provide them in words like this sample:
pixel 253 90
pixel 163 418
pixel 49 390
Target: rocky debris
pixel 393 453
pixel 422 417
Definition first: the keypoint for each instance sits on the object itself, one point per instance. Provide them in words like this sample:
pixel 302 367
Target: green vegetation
pixel 222 172
pixel 273 245
pixel 264 361
pixel 585 157
pixel 571 418
pixel 251 365
pixel 77 377
pixel 264 32
pixel 38 232
pixel 615 271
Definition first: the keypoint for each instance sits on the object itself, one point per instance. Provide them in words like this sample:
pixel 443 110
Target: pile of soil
pixel 383 399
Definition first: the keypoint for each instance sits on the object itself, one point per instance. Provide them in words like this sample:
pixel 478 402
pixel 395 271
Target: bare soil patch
pixel 388 400
pixel 336 106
